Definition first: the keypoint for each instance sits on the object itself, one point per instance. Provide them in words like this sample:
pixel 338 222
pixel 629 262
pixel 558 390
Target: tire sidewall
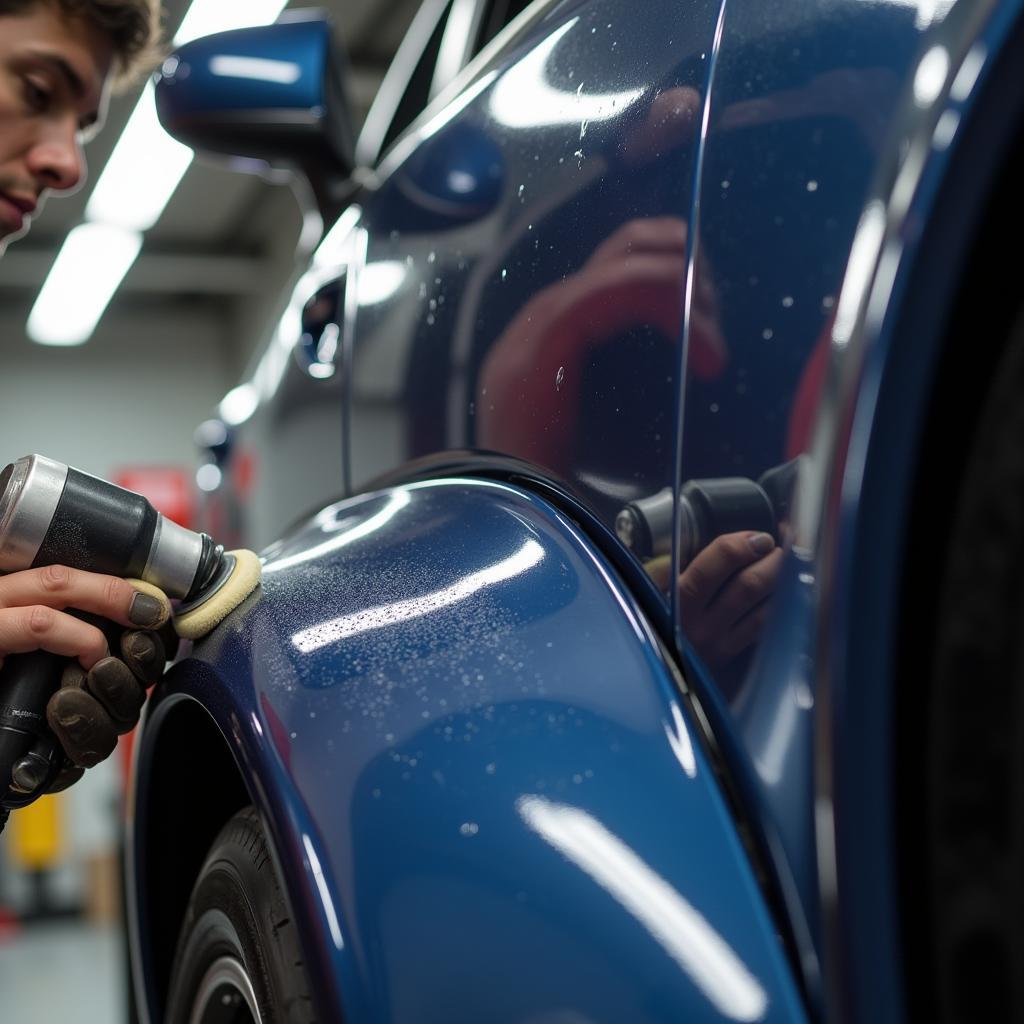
pixel 239 910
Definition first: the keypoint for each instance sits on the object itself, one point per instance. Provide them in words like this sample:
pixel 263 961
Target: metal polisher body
pixel 51 514
pixel 708 509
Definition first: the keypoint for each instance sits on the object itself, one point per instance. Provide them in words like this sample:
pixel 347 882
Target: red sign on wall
pixel 168 488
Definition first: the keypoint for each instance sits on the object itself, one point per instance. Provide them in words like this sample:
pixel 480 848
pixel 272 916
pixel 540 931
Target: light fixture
pixel 90 265
pixel 238 404
pixel 142 173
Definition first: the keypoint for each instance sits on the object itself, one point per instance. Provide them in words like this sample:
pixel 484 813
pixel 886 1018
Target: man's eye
pixel 37 95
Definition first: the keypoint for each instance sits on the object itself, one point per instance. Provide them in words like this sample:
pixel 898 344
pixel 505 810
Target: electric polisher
pixel 51 514
pixel 708 509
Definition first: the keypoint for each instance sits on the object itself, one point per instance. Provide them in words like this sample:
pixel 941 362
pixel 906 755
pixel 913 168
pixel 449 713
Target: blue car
pixel 638 477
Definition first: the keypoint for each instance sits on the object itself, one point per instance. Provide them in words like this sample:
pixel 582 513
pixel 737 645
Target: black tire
pixel 974 758
pixel 238 959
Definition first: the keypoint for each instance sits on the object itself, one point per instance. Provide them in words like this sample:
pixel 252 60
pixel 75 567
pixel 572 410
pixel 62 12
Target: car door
pixel 533 227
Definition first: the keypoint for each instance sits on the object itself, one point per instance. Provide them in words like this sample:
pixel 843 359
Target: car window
pixel 472 24
pixel 498 15
pixel 406 88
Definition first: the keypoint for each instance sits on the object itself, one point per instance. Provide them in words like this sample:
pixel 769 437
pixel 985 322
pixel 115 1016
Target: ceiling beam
pixel 157 273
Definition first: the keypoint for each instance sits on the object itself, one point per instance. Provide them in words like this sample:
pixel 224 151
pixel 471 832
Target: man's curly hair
pixel 132 25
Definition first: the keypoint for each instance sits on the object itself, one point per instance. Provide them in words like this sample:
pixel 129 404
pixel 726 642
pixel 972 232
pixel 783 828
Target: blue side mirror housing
pixel 274 94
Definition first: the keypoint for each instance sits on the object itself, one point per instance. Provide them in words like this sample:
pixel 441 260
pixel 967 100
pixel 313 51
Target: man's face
pixel 53 88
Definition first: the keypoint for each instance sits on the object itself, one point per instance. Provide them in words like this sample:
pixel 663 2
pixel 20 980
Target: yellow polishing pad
pixel 198 621
pixel 244 579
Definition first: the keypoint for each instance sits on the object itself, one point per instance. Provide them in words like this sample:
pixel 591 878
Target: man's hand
pixel 724 591
pixel 101 693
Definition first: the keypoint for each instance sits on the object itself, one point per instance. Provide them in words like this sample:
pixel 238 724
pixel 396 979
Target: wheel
pixel 238 959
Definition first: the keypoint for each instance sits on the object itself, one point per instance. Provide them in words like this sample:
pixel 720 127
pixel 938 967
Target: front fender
pixel 476 769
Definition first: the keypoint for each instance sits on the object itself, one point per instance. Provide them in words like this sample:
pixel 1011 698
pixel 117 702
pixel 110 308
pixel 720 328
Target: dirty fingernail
pixel 29 774
pixel 73 677
pixel 146 610
pixel 761 543
pixel 142 647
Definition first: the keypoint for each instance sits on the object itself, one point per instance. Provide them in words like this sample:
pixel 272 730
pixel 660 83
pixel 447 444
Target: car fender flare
pixel 474 762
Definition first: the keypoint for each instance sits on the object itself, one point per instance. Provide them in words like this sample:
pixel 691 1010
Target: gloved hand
pixel 724 594
pixel 117 656
pixel 91 709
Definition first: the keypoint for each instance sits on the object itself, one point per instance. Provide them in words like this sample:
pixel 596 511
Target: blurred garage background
pixel 182 328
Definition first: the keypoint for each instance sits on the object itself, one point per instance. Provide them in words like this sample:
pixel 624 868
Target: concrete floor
pixel 63 971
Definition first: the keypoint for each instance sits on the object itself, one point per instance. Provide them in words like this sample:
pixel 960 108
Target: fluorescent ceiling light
pixel 238 404
pixel 208 477
pixel 208 16
pixel 142 172
pixel 87 271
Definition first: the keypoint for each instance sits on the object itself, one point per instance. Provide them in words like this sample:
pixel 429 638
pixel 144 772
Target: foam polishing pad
pixel 196 619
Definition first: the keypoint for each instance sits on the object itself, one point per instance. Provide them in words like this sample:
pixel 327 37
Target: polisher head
pixel 239 578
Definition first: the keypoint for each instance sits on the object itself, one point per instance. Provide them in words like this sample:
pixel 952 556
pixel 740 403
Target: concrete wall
pixel 131 395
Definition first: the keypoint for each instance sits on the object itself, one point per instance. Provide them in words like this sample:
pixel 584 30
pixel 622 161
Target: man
pixel 58 59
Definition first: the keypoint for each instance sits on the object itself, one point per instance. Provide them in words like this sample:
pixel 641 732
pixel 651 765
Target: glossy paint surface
pixel 246 70
pixel 927 203
pixel 617 255
pixel 488 801
pixel 540 222
pixel 803 109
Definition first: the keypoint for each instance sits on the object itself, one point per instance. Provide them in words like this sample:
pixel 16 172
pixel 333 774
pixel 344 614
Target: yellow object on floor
pixel 37 834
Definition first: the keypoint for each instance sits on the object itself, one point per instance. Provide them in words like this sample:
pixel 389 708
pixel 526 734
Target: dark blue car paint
pixel 288 74
pixel 953 148
pixel 803 110
pixel 558 112
pixel 802 103
pixel 474 752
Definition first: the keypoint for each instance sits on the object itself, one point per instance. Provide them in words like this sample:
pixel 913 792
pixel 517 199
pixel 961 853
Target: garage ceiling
pixel 226 241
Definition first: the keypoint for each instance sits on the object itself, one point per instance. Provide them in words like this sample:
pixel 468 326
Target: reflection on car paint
pixel 335 630
pixel 544 322
pixel 796 124
pixel 614 216
pixel 683 931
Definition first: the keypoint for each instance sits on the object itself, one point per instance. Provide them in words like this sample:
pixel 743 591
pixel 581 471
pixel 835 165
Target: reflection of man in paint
pixel 634 277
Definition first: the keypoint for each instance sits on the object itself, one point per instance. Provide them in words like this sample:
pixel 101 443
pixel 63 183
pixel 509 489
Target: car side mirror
pixel 274 94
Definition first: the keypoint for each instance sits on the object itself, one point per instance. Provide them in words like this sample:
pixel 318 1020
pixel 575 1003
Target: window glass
pixel 499 14
pixel 417 92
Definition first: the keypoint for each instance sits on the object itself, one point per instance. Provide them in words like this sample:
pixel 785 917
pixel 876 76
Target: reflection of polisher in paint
pixel 51 514
pixel 708 509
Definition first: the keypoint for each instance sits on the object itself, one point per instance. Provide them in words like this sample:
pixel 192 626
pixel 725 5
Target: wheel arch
pixel 419 834
pixel 192 782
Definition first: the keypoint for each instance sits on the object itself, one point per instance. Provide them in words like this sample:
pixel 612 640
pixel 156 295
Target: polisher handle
pixel 27 682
